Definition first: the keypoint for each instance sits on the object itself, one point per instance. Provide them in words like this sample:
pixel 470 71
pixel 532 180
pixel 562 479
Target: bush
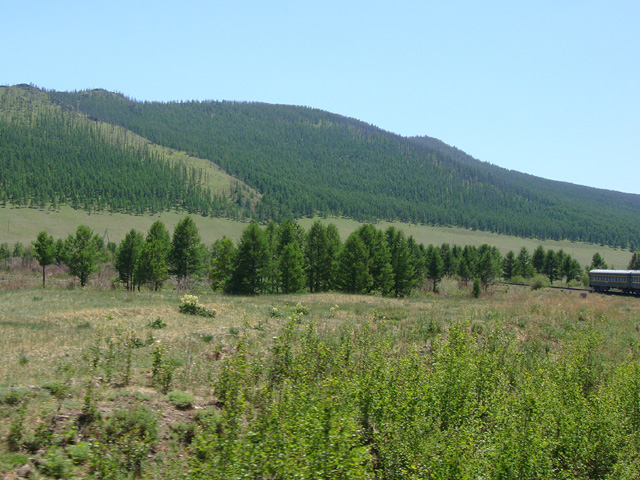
pixel 538 282
pixel 181 400
pixel 189 305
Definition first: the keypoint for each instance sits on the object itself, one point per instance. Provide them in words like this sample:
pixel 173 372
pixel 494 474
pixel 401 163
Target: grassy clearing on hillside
pixel 515 384
pixel 24 224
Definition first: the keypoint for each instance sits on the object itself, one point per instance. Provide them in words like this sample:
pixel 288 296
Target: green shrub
pixel 184 431
pixel 538 282
pixel 56 465
pixel 189 305
pixel 181 400
pixel 79 453
pixel 157 324
pixel 477 288
pixel 13 396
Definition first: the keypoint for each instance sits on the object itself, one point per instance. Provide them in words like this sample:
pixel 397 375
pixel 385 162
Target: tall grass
pixel 516 384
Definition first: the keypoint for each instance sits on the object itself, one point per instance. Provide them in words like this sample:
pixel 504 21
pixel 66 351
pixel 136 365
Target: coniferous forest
pixel 302 161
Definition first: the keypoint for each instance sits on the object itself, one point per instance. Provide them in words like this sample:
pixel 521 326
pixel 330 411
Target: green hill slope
pixel 50 155
pixel 305 162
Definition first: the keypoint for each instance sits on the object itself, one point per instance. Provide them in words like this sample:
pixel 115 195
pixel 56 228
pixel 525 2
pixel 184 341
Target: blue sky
pixel 550 88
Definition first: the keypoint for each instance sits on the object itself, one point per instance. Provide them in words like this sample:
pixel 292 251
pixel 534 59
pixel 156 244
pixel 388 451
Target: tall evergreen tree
pixel 252 261
pixel 524 267
pixel 401 264
pixel 187 252
pixel 291 268
pixel 570 268
pixel 509 265
pixel 127 257
pixel 379 258
pixel 551 265
pixel 223 254
pixel 488 264
pixel 597 262
pixel 334 247
pixel 537 260
pixel 317 258
pixel 435 266
pixel 354 274
pixel 45 252
pixel 634 263
pixel 152 266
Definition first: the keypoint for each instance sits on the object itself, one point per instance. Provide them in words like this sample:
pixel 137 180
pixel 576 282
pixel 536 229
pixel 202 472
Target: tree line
pixel 284 258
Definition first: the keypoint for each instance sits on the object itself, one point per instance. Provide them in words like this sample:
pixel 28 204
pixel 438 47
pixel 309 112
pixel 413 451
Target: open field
pixel 24 224
pixel 515 384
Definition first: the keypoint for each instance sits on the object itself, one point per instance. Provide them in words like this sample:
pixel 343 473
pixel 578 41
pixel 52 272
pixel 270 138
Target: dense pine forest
pixel 307 162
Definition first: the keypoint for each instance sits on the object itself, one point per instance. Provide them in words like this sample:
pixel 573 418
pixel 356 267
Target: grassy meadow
pixel 101 383
pixel 23 225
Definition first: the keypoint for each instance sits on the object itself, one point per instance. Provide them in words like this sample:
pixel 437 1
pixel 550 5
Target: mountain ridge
pixel 302 161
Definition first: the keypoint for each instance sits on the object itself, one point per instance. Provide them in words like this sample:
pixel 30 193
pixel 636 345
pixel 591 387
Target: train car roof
pixel 615 272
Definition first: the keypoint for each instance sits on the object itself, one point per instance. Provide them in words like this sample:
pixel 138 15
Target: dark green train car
pixel 627 281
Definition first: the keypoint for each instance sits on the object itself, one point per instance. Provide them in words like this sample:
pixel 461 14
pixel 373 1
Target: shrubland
pixel 517 383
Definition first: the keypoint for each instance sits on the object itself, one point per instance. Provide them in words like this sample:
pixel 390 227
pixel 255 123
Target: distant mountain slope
pixel 51 155
pixel 305 162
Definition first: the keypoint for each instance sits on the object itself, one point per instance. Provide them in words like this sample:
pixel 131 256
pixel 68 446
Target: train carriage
pixel 626 280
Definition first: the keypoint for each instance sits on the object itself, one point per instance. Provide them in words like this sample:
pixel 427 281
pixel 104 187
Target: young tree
pixel 223 254
pixel 354 272
pixel 251 262
pixel 537 260
pixel 5 253
pixel 127 257
pixel 401 265
pixel 551 265
pixel 334 247
pixel 597 262
pixel 435 266
pixel 379 258
pixel 488 264
pixel 634 263
pixel 187 252
pixel 45 252
pixel 524 267
pixel 291 268
pixel 152 266
pixel 509 265
pixel 570 268
pixel 82 253
pixel 315 254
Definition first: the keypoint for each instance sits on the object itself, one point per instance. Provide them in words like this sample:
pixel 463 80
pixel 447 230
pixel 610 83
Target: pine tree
pixel 317 258
pixel 251 263
pixel 354 275
pixel 401 264
pixel 127 257
pixel 187 252
pixel 291 268
pixel 82 254
pixel 597 262
pixel 634 263
pixel 435 266
pixel 45 252
pixel 537 260
pixel 223 253
pixel 152 265
pixel 509 265
pixel 524 267
pixel 551 265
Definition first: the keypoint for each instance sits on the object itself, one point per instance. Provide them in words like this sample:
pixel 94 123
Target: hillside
pixel 303 162
pixel 51 155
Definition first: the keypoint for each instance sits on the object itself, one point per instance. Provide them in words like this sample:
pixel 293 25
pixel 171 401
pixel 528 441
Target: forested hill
pixel 306 162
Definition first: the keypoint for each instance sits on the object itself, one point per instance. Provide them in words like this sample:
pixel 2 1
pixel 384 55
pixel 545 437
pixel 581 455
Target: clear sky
pixel 550 88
